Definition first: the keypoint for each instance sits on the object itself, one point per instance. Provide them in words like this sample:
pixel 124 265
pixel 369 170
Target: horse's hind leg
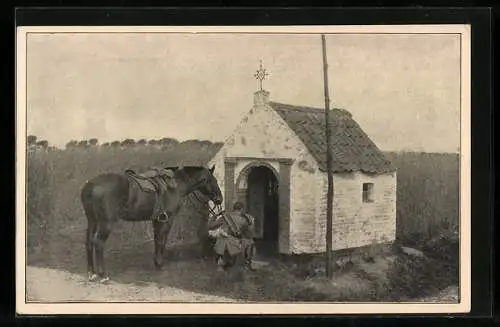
pixel 91 214
pixel 89 245
pixel 102 234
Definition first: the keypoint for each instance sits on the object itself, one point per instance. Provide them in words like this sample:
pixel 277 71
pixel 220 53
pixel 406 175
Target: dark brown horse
pixel 112 196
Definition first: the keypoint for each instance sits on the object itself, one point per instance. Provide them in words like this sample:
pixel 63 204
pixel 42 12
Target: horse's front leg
pixel 160 231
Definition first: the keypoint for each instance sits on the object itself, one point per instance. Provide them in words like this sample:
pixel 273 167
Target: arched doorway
pixel 236 189
pixel 262 199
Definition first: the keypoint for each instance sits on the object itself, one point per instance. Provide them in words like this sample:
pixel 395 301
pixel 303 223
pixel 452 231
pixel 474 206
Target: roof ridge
pixel 287 106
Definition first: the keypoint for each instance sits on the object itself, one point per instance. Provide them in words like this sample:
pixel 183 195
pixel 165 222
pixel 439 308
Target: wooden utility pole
pixel 329 201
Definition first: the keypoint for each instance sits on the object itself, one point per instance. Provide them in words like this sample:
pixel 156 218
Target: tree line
pixel 167 142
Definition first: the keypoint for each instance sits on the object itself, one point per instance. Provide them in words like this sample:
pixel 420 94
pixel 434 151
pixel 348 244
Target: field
pixel 427 219
pixel 427 194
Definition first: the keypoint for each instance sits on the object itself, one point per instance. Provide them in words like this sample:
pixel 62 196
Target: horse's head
pixel 204 181
pixel 210 186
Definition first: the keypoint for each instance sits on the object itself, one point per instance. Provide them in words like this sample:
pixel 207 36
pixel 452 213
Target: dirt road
pixel 49 285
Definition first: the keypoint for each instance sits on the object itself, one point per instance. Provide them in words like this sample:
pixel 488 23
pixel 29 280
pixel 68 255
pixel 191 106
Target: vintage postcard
pixel 190 170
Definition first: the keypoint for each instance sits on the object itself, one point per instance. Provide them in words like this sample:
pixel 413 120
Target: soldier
pixel 234 234
pixel 248 234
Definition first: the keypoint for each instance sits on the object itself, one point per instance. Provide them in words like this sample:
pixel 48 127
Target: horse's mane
pixel 185 172
pixel 187 169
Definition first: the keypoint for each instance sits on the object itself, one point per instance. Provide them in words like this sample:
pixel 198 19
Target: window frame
pixel 367 196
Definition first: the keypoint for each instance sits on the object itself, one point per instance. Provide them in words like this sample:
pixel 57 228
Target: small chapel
pixel 275 163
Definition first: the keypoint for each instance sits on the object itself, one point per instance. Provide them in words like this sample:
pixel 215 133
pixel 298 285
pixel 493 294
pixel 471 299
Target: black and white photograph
pixel 318 169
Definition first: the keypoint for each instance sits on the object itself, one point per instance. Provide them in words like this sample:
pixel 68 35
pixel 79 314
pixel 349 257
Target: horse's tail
pixel 88 202
pixel 86 198
pixel 90 208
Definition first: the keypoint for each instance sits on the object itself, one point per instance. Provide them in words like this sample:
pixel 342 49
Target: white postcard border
pixel 251 308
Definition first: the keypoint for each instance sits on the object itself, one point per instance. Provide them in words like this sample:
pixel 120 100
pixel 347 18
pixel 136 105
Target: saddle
pixel 153 180
pixel 157 181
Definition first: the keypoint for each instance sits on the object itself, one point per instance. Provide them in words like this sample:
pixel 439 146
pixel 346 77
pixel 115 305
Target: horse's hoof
pixel 158 267
pixel 104 280
pixel 92 277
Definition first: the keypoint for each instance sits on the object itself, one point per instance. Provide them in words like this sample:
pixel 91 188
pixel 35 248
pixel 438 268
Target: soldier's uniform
pixel 248 239
pixel 234 239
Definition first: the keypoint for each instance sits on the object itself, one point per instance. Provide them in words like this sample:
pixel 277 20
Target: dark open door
pixel 256 192
pixel 263 204
pixel 271 211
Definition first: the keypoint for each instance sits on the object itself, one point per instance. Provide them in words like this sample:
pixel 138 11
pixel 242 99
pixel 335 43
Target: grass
pixel 390 276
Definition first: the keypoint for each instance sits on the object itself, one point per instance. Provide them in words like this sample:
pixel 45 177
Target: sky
pixel 403 90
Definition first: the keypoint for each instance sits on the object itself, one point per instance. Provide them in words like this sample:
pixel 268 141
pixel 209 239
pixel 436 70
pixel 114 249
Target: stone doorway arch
pixel 260 195
pixel 236 189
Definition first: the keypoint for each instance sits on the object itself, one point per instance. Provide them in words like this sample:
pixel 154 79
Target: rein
pixel 210 209
pixel 192 189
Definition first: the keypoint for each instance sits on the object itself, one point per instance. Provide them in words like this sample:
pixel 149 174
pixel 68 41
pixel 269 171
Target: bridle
pixel 214 211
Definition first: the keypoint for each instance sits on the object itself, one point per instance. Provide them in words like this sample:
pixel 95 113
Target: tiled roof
pixel 352 149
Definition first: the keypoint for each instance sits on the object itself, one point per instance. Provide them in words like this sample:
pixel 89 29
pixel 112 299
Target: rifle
pixel 231 224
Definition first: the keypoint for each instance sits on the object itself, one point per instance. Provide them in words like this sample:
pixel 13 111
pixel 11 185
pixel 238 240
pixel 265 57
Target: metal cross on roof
pixel 261 75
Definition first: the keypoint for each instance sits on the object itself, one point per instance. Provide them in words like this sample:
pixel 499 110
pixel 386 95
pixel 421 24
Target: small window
pixel 368 192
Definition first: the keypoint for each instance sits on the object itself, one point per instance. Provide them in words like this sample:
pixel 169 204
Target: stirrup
pixel 160 220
